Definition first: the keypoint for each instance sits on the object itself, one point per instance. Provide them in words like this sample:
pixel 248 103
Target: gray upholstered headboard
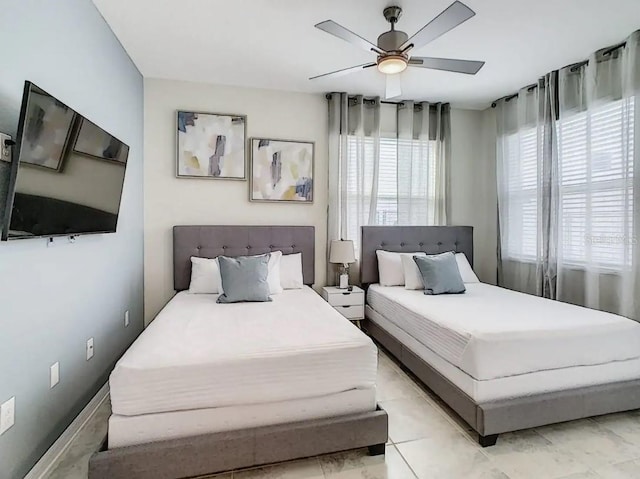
pixel 213 241
pixel 430 239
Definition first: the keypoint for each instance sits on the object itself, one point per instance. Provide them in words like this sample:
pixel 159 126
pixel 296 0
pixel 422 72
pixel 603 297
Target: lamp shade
pixel 342 252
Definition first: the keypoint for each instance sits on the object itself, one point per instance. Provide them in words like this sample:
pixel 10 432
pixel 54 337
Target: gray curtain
pixel 523 127
pixel 424 145
pixel 567 153
pixel 417 141
pixel 354 154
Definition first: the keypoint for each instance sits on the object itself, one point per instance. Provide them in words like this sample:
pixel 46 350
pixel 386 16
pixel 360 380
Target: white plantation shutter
pixel 358 174
pixel 387 212
pixel 416 182
pixel 595 150
pixel 521 156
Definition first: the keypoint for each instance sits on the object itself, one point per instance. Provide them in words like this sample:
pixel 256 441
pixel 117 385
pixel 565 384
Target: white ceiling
pixel 273 44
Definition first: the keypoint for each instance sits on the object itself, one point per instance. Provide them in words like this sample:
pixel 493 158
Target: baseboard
pixel 43 466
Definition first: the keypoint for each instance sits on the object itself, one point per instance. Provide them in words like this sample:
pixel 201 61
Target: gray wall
pixel 53 299
pixel 473 185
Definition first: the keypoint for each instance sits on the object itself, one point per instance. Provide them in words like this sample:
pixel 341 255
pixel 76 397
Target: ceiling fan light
pixel 392 64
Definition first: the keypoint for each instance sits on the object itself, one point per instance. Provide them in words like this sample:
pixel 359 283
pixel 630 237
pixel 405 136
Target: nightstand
pixel 349 304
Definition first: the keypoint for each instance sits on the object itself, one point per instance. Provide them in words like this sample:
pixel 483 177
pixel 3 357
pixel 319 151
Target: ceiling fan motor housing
pixel 390 41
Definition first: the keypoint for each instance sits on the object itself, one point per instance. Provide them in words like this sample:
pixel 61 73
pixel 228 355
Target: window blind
pixel 595 162
pixel 596 194
pixel 521 153
pixel 419 173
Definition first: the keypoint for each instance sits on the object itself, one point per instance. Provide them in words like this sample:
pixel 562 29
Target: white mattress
pixel 491 332
pixel 198 354
pixel 130 430
pixel 513 386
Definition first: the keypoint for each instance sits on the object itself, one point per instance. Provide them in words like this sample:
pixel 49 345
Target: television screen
pixel 67 172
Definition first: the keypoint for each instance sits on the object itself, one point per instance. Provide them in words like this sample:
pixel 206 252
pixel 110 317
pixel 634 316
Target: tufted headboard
pixel 214 241
pixel 430 239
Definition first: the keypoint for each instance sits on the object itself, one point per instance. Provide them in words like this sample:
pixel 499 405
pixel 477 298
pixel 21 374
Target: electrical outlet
pixel 126 318
pixel 89 348
pixel 7 414
pixel 54 374
pixel 5 151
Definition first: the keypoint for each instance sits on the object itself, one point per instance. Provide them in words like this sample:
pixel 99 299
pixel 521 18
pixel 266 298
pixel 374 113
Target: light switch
pixel 7 414
pixel 126 318
pixel 55 374
pixel 89 348
pixel 5 151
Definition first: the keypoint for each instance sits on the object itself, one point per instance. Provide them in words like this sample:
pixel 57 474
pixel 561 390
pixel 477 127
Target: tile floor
pixel 427 441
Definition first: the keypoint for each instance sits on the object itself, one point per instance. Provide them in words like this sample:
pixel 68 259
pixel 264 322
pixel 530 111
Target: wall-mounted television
pixel 67 173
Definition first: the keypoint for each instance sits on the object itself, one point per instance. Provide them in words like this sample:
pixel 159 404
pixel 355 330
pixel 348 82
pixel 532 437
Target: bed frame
pixel 238 449
pixel 491 418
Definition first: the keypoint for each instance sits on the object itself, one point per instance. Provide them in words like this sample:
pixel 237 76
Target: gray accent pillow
pixel 244 278
pixel 440 273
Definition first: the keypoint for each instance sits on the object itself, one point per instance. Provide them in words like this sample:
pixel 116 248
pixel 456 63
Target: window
pixel 596 194
pixel 595 168
pixel 404 189
pixel 521 153
pixel 415 187
pixel 387 210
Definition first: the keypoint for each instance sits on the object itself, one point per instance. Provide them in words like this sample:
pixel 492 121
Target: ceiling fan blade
pixel 450 18
pixel 345 71
pixel 470 67
pixel 347 35
pixel 393 88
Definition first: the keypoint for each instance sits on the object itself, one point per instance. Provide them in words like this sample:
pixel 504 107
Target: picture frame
pixel 93 142
pixel 282 171
pixel 211 145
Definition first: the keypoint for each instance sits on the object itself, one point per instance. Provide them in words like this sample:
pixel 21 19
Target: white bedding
pixel 130 430
pixel 491 332
pixel 198 354
pixel 513 386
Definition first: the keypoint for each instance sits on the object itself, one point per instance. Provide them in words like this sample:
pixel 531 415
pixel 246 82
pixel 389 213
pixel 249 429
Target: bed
pixel 213 387
pixel 503 360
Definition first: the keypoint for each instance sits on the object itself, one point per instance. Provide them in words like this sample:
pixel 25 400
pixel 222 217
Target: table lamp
pixel 342 253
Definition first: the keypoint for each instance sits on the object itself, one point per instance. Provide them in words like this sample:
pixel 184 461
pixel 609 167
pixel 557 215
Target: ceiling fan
pixel 393 46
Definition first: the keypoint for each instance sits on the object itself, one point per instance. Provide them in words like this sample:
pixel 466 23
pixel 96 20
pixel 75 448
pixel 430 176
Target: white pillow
pixel 390 270
pixel 205 276
pixel 291 271
pixel 468 276
pixel 273 276
pixel 412 276
pixel 206 279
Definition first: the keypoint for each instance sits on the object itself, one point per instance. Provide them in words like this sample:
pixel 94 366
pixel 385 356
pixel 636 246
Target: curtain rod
pixel 612 49
pixel 385 102
pixel 511 97
pixel 605 53
pixel 573 68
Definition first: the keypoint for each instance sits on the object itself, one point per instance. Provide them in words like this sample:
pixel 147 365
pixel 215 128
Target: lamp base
pixel 344 281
